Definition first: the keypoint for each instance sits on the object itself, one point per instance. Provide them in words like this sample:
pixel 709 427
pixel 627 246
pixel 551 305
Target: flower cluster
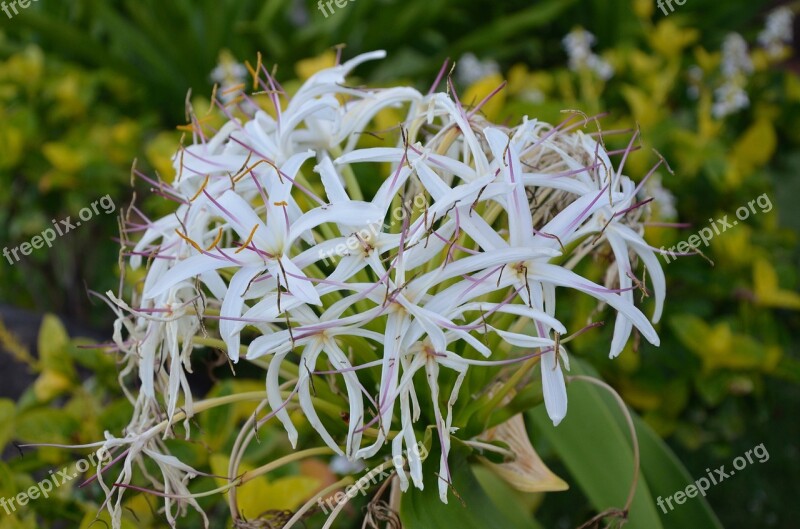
pixel 778 32
pixel 578 45
pixel 736 67
pixel 466 278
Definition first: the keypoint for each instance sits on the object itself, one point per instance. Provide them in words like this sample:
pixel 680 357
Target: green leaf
pixel 506 28
pixel 473 509
pixel 516 505
pixel 597 452
pixel 54 347
pixel 666 475
pixel 7 412
pixel 594 443
pixel 45 425
pixel 219 423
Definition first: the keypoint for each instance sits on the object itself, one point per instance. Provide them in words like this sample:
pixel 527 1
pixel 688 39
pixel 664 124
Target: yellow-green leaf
pixel 54 344
pixel 767 291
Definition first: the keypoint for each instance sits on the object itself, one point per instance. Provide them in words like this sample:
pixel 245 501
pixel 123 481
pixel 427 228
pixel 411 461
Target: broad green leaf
pixel 471 509
pixel 598 453
pixel 45 425
pixel 663 471
pixel 665 475
pixel 589 458
pixel 517 506
pixel 54 346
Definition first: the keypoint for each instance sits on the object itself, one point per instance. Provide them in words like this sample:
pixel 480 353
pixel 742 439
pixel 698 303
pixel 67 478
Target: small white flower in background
pixel 695 77
pixel 729 99
pixel 731 96
pixel 778 31
pixel 470 69
pixel 601 67
pixel 578 44
pixel 342 465
pixel 735 56
pixel 533 95
pixel 662 196
pixel 230 76
pixel 263 202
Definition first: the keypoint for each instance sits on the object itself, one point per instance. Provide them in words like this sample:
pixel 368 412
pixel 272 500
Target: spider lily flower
pixel 175 475
pixel 262 207
pixel 266 249
pixel 314 337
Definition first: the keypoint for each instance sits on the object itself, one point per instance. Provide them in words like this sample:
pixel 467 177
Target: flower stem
pixel 272 465
pixel 350 180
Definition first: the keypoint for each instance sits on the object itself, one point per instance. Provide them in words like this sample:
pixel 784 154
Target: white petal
pixel 554 388
pixel 566 278
pixel 232 308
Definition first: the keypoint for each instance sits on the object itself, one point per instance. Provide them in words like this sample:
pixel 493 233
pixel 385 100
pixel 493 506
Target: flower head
pixel 465 279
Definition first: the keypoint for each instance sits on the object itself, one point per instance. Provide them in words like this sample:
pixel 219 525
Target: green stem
pixel 350 180
pixel 272 465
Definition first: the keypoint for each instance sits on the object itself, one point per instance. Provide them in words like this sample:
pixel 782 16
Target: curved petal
pixel 554 388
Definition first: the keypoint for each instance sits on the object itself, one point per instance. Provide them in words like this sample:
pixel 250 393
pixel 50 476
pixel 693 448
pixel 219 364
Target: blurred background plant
pixel 88 86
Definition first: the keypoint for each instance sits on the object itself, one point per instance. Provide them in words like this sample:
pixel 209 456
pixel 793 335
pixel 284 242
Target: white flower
pixel 578 45
pixel 778 31
pixel 662 196
pixel 729 99
pixel 469 69
pixel 264 203
pixel 735 56
pixel 731 96
pixel 230 76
